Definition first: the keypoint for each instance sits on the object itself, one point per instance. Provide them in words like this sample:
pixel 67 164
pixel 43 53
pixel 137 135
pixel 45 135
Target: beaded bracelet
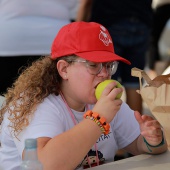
pixel 100 121
pixel 148 145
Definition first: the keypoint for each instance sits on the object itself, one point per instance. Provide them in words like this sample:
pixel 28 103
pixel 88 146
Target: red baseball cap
pixel 88 40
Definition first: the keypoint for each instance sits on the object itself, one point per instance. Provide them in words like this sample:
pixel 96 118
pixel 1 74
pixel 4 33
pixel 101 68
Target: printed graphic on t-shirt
pixel 94 157
pixel 91 159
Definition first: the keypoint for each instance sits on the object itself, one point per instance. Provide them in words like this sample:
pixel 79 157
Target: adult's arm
pixel 84 10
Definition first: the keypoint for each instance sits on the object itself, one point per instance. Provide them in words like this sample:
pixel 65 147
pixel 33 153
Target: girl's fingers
pixel 113 94
pixel 147 118
pixel 118 102
pixel 109 88
pixel 153 123
pixel 152 132
pixel 138 117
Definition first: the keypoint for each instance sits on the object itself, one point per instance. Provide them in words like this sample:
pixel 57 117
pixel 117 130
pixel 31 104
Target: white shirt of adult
pixel 52 118
pixel 28 27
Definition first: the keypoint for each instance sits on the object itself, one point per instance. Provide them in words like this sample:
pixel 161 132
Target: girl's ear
pixel 62 68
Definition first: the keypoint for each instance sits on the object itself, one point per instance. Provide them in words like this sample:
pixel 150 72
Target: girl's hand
pixel 107 106
pixel 150 129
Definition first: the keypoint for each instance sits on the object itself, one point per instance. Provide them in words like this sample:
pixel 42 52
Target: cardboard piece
pixel 156 94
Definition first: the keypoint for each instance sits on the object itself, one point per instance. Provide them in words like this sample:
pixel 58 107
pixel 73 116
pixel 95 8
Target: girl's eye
pixel 92 64
pixel 110 65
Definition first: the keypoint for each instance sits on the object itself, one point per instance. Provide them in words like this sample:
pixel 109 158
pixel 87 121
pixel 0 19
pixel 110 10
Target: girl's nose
pixel 104 72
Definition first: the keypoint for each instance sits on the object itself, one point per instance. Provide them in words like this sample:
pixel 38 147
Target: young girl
pixel 54 101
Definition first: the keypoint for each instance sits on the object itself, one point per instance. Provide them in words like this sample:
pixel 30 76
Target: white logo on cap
pixel 103 36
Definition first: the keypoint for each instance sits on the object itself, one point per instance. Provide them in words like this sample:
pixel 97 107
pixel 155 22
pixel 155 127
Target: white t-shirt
pixel 52 118
pixel 28 27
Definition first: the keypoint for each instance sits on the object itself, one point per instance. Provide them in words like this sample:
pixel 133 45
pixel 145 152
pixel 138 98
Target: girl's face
pixel 78 85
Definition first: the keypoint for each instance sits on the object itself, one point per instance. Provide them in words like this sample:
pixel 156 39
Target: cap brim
pixel 101 56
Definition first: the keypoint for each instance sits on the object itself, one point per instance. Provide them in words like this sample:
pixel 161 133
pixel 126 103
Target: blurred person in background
pixel 161 15
pixel 27 29
pixel 73 13
pixel 129 23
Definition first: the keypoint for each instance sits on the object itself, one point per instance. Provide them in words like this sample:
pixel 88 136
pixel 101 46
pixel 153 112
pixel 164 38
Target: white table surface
pixel 140 162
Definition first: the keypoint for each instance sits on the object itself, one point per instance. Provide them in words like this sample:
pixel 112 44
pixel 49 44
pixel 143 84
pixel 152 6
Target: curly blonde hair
pixel 32 86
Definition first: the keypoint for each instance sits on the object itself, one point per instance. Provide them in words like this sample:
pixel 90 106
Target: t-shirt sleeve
pixel 46 122
pixel 125 126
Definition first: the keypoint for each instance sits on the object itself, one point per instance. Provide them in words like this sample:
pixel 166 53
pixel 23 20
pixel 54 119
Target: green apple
pixel 101 86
